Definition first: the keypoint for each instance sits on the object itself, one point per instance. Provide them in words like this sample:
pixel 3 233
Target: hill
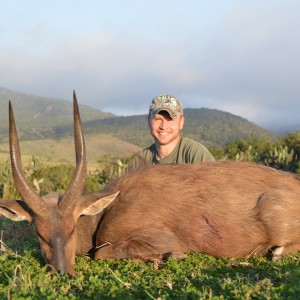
pixel 38 115
pixel 47 121
pixel 212 127
pixel 62 150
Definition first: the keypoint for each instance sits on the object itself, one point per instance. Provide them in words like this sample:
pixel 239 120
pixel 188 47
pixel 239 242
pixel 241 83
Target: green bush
pixel 46 179
pixel 279 155
pixel 7 187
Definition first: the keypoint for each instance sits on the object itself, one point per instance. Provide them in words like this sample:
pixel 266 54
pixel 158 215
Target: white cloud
pixel 244 59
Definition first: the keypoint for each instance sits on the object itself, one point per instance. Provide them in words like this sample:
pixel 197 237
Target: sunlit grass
pixel 24 275
pixel 61 151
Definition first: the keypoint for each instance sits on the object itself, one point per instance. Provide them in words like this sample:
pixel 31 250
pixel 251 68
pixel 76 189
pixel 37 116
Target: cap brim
pixel 172 114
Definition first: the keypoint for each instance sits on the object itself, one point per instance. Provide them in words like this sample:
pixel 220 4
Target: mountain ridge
pixel 43 117
pixel 36 113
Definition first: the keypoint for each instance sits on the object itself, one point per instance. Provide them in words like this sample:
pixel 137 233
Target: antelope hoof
pixel 277 253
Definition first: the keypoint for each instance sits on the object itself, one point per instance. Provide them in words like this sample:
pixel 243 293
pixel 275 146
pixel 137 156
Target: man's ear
pixel 15 210
pixel 181 122
pixel 99 205
pixel 149 121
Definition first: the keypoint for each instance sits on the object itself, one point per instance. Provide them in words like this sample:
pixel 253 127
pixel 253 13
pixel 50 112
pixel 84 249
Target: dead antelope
pixel 224 209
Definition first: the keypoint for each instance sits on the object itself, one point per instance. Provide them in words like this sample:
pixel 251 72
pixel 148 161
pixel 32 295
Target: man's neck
pixel 165 150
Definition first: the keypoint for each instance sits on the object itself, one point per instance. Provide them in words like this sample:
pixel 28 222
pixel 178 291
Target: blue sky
pixel 236 56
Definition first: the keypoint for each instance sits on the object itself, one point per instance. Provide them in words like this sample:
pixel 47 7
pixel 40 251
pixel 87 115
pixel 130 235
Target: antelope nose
pixel 64 270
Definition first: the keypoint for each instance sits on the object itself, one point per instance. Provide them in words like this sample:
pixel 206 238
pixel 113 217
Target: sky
pixel 241 56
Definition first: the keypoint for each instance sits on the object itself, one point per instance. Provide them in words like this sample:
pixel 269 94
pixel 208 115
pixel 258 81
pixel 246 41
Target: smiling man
pixel 165 121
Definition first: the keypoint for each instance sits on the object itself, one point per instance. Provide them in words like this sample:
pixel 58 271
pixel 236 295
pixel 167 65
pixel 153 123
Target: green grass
pixel 24 275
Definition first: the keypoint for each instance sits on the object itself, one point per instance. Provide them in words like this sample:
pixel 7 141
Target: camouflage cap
pixel 168 103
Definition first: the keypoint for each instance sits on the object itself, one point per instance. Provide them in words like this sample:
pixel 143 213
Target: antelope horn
pixel 32 199
pixel 76 186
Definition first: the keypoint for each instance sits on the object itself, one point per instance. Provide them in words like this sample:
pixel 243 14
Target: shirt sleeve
pixel 142 159
pixel 195 152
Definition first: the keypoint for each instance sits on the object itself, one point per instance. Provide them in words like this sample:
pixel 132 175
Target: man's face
pixel 164 129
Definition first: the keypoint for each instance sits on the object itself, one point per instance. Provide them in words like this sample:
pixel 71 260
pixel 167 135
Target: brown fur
pixel 225 209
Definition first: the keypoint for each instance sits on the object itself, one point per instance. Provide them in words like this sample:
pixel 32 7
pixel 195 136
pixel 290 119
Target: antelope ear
pixel 98 205
pixel 15 210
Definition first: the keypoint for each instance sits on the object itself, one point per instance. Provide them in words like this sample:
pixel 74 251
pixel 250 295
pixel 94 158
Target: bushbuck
pixel 222 208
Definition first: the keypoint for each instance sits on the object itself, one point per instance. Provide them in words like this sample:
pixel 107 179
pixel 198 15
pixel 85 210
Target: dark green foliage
pixel 47 179
pixel 7 187
pixel 25 276
pixel 216 128
pixel 292 141
pixel 44 178
pixel 282 158
pixel 108 169
pixel 281 154
pixel 54 178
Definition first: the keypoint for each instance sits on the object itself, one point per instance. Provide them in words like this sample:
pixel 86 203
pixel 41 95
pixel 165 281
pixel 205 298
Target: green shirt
pixel 186 151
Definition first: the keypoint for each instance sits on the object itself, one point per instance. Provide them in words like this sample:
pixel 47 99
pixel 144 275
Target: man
pixel 165 121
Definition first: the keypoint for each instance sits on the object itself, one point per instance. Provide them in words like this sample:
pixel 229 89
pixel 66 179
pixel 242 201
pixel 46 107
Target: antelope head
pixel 54 215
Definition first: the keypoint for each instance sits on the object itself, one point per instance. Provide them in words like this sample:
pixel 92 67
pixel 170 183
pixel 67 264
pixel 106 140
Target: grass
pixel 24 275
pixel 60 151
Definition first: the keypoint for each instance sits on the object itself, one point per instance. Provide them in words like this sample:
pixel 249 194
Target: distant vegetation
pixel 211 127
pixel 61 151
pixel 217 128
pixel 36 116
pixel 45 118
pixel 282 154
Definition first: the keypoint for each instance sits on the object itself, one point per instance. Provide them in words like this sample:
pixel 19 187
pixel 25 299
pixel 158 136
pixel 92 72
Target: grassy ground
pixel 62 151
pixel 23 275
